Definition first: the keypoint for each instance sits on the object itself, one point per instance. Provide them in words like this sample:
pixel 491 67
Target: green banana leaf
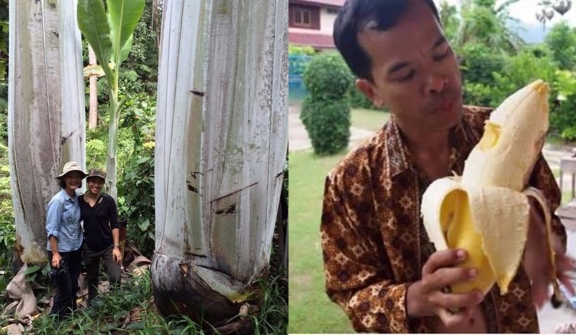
pixel 93 23
pixel 123 18
pixel 126 50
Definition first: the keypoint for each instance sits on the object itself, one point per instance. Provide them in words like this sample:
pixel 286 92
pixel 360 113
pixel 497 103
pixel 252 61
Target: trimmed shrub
pixel 327 77
pixel 327 123
pixel 326 110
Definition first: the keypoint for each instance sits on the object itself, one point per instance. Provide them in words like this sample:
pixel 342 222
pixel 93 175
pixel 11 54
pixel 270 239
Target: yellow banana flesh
pixel 459 229
pixel 485 211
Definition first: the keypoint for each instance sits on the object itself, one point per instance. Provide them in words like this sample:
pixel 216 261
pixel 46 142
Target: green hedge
pixel 327 123
pixel 326 110
pixel 328 77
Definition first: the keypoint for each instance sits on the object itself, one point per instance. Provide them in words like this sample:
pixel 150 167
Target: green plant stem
pixel 112 139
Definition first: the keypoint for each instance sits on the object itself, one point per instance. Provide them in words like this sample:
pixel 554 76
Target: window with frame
pixel 332 10
pixel 303 17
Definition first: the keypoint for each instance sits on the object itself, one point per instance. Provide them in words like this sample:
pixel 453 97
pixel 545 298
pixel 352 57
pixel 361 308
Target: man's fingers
pixel 567 283
pixel 442 259
pixel 450 319
pixel 56 262
pixel 566 271
pixel 565 263
pixel 539 292
pixel 446 277
pixel 454 301
pixel 557 246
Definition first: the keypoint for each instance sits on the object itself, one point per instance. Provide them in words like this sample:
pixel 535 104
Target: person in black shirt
pixel 101 233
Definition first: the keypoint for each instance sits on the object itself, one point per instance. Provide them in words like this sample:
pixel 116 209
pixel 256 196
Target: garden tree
pixel 478 64
pixel 221 138
pixel 518 70
pixel 563 113
pixel 483 22
pixel 563 116
pixel 449 19
pixel 561 40
pixel 110 36
pixel 45 122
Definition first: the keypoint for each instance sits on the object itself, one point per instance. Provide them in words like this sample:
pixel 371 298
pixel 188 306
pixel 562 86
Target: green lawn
pixel 310 310
pixel 566 197
pixel 368 119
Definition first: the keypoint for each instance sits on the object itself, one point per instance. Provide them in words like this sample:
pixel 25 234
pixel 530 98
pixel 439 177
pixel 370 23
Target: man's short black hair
pixel 358 15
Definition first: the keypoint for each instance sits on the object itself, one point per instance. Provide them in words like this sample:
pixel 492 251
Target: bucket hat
pixel 72 166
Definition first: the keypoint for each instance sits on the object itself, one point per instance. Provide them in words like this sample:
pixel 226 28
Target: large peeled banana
pixel 486 210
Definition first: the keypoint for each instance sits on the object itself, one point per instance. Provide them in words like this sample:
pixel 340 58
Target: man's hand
pixel 426 298
pixel 537 261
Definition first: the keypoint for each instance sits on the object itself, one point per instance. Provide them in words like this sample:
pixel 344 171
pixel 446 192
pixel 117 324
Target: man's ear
pixel 367 88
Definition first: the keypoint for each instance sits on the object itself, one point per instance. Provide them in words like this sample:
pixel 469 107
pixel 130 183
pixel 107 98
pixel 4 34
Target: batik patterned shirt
pixel 374 242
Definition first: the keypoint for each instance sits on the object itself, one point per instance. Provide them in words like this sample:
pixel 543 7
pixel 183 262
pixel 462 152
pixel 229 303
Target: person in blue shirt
pixel 65 238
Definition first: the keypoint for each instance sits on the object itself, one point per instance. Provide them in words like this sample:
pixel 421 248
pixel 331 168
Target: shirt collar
pixel 67 197
pixel 397 150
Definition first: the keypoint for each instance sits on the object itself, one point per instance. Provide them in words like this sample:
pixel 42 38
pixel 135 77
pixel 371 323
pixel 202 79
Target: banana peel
pixel 486 210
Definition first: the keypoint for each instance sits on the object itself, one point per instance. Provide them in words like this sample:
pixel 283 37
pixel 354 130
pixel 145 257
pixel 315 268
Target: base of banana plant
pixel 179 290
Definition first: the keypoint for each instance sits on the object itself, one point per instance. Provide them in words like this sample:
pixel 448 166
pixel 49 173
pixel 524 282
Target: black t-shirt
pixel 99 221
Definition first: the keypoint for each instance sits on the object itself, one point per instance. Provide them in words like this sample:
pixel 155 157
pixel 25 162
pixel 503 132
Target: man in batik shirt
pixel 379 264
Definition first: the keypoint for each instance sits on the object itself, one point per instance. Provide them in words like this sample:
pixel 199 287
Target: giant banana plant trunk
pixel 45 111
pixel 220 147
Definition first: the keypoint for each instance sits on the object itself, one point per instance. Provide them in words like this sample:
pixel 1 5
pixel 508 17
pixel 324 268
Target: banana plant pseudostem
pixel 110 36
pixel 221 136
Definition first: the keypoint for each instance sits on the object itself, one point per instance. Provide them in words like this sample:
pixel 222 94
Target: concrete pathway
pixel 550 319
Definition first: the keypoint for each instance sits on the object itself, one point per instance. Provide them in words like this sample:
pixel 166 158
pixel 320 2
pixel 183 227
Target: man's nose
pixel 436 84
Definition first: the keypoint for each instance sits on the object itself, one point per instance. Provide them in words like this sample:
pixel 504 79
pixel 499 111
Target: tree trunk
pixel 221 138
pixel 93 111
pixel 45 112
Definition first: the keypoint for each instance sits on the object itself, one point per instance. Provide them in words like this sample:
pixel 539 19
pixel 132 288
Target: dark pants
pixel 66 283
pixel 92 263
